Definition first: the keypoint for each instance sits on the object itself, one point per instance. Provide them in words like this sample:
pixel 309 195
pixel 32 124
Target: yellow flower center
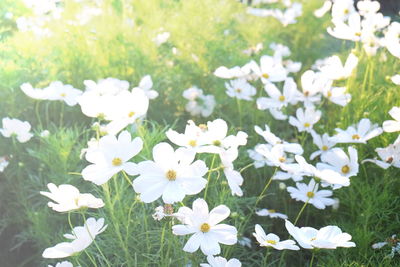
pixel 217 143
pixel 131 114
pixel 324 148
pixel 238 90
pixel 281 98
pixel 282 159
pixel 355 137
pixel 265 75
pixel 76 200
pixel 312 239
pixel 306 93
pixel 310 194
pixel 389 159
pixel 346 11
pixel 63 95
pixel 271 211
pixel 345 169
pixel 307 124
pixel 171 175
pixel 205 227
pixel 272 242
pixel 192 143
pixel 203 127
pixel 116 161
pixel 329 93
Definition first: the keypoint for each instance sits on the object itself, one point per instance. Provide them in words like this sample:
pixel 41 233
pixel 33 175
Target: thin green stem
pixel 301 211
pixel 260 197
pixel 312 259
pixel 209 176
pixel 240 111
pixel 126 177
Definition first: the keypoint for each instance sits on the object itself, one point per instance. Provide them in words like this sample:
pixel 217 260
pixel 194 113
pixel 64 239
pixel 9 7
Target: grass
pixel 109 46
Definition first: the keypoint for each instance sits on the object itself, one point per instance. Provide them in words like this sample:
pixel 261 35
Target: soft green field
pixel 120 44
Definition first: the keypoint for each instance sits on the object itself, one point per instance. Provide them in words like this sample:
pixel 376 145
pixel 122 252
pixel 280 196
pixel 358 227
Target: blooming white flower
pixel 240 89
pixel 392 40
pixel 367 7
pixel 337 160
pixel 303 192
pixel 390 155
pixel 305 119
pixel 221 262
pixel 62 264
pixel 3 163
pixel 111 156
pixel 192 138
pixel 234 178
pixel 272 240
pixel 328 237
pixel 313 84
pixel 324 143
pixel 235 72
pixel 199 104
pixel 320 12
pixel 337 95
pixel 64 92
pixel 396 79
pixel 342 9
pixel 360 133
pixel 67 198
pixel 391 126
pixel 205 227
pixel 82 237
pixel 35 93
pixel 44 134
pixel 172 175
pixel 271 213
pixel 273 140
pixel 161 38
pixel 270 70
pixel 146 83
pixel 275 155
pixel 351 31
pixel 17 128
pixel 277 99
pixel 335 70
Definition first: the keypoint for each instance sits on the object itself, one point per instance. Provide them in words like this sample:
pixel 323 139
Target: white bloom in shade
pixel 35 93
pixel 328 237
pixel 82 237
pixel 111 156
pixel 305 119
pixel 271 214
pixel 351 31
pixel 272 240
pixel 359 133
pixel 44 134
pixel 337 160
pixel 64 92
pixel 335 70
pixel 270 70
pixel 17 128
pixel 240 89
pixel 221 262
pixel 312 84
pixel 324 143
pixel 320 12
pixel 337 95
pixel 273 140
pixel 259 160
pixel 205 227
pixel 63 264
pixel 161 38
pixel 391 126
pixel 67 198
pixel 234 178
pixel 245 242
pixel 146 83
pixel 277 99
pixel 396 79
pixel 275 155
pixel 3 163
pixel 390 155
pixel 172 175
pixel 303 192
pixel 192 138
pixel 235 72
pixel 199 104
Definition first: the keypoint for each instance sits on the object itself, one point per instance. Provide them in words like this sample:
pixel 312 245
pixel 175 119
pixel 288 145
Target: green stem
pixel 312 259
pixel 240 112
pixel 260 197
pixel 300 212
pixel 208 177
pixel 126 177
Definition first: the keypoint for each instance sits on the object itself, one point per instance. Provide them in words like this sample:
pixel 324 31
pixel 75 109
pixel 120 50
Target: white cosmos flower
pixel 305 119
pixel 82 237
pixel 270 70
pixel 17 128
pixel 205 227
pixel 337 95
pixel 146 83
pixel 272 240
pixel 277 99
pixel 273 140
pixel 221 262
pixel 271 213
pixel 320 12
pixel 111 156
pixel 303 192
pixel 390 155
pixel 312 84
pixel 240 89
pixel 108 86
pixel 64 92
pixel 335 70
pixel 35 93
pixel 391 126
pixel 3 163
pixel 324 143
pixel 172 175
pixel 367 7
pixel 192 138
pixel 234 178
pixel 396 79
pixel 342 9
pixel 337 160
pixel 67 198
pixel 351 31
pixel 63 264
pixel 199 104
pixel 392 40
pixel 359 133
pixel 328 237
pixel 259 160
pixel 275 155
pixel 235 72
